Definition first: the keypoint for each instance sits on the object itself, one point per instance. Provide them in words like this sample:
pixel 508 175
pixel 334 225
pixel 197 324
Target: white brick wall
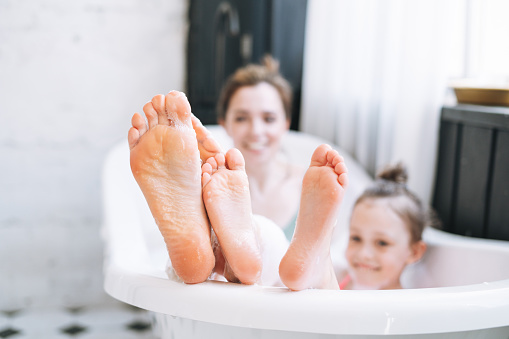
pixel 71 75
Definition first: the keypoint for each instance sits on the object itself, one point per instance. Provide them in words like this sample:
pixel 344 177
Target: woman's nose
pixel 257 127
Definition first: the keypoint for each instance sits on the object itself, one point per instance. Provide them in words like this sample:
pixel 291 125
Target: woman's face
pixel 256 121
pixel 379 247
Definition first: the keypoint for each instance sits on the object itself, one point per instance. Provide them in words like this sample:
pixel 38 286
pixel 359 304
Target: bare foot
pixel 207 145
pixel 165 162
pixel 228 203
pixel 307 263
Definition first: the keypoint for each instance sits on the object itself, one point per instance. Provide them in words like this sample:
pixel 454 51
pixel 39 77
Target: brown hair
pixel 251 75
pixel 391 184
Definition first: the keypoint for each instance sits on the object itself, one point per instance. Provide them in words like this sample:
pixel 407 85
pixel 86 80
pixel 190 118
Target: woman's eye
pixel 270 119
pixel 240 119
pixel 382 243
pixel 355 238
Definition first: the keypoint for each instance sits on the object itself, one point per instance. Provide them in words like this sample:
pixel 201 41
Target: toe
pixel 340 168
pixel 342 172
pixel 319 157
pixel 139 123
pixel 337 160
pixel 343 180
pixel 151 114
pixel 235 160
pixel 212 163
pixel 132 137
pixel 206 172
pixel 206 168
pixel 220 159
pixel 332 157
pixel 139 128
pixel 178 108
pixel 159 106
pixel 204 137
pixel 201 131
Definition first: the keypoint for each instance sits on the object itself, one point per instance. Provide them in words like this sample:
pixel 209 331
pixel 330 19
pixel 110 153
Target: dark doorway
pixel 225 35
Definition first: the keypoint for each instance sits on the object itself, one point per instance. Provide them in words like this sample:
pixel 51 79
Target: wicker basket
pixel 482 96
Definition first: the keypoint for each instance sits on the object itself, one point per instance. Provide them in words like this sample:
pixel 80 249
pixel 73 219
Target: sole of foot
pixel 228 204
pixel 307 263
pixel 165 161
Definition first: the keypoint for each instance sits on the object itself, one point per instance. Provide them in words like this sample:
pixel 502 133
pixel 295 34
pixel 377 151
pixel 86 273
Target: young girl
pixel 385 233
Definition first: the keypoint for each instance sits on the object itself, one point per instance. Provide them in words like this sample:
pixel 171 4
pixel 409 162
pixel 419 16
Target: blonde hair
pixel 251 75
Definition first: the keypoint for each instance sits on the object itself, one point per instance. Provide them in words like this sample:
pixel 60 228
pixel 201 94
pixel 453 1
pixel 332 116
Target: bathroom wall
pixel 71 75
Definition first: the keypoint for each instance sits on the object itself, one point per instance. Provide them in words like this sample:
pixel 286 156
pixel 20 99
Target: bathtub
pixel 459 289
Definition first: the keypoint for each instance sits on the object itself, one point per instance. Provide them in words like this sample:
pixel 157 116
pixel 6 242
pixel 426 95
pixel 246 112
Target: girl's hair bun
pixel 395 173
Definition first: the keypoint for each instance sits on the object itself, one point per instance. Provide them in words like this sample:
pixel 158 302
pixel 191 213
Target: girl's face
pixel 256 121
pixel 379 247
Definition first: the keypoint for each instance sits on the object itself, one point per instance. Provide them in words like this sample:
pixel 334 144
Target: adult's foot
pixel 228 203
pixel 207 145
pixel 307 263
pixel 165 162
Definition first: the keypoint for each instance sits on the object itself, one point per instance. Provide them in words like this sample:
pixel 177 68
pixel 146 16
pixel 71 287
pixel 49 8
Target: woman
pixel 255 110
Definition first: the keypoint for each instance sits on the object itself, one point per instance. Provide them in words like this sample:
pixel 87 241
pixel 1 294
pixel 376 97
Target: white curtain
pixel 375 78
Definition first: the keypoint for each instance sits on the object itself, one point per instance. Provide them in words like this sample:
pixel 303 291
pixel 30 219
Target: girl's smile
pixel 379 247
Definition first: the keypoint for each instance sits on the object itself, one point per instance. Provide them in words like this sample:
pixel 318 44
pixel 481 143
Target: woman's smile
pixel 255 146
pixel 256 121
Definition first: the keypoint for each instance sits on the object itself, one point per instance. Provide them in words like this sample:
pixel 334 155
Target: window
pixel 486 44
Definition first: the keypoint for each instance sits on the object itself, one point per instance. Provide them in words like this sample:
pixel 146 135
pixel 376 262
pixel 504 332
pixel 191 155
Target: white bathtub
pixel 459 289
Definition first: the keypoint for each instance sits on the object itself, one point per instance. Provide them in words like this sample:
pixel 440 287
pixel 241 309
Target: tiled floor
pixel 93 322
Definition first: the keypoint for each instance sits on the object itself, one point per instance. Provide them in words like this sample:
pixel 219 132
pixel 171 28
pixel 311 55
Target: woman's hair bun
pixel 271 64
pixel 395 173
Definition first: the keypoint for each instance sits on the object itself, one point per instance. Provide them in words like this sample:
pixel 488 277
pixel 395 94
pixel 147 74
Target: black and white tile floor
pixel 92 322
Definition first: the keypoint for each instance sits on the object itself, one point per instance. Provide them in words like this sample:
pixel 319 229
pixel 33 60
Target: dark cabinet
pixel 224 35
pixel 472 179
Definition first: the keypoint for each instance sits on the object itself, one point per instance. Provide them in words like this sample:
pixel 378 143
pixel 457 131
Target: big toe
pixel 178 108
pixel 235 160
pixel 319 157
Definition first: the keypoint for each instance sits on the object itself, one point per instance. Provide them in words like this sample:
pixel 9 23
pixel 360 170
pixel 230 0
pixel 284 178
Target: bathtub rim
pixel 239 304
pixel 460 308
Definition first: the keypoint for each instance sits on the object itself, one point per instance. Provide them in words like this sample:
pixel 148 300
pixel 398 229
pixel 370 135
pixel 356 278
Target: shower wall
pixel 71 75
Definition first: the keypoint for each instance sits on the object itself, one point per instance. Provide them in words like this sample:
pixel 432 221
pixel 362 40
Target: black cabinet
pixel 472 179
pixel 224 35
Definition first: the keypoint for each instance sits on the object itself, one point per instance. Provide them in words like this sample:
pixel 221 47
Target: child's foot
pixel 228 203
pixel 307 263
pixel 207 145
pixel 165 162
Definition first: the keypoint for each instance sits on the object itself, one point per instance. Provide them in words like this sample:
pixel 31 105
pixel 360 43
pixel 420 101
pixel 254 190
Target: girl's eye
pixel 355 238
pixel 382 243
pixel 240 119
